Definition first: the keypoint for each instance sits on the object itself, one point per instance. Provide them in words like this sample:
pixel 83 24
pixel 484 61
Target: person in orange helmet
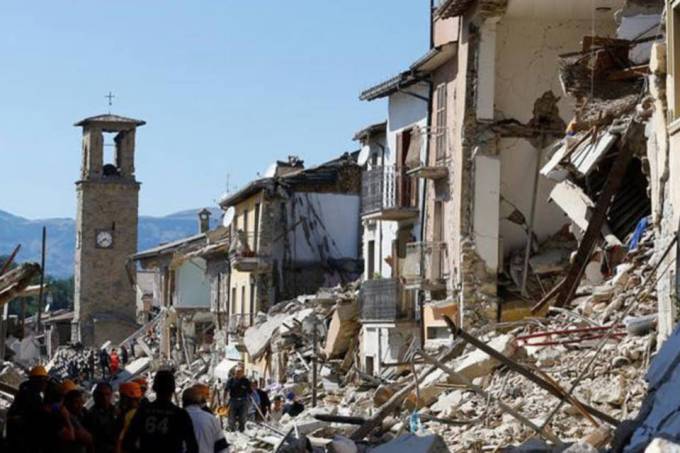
pixel 26 407
pixel 202 392
pixel 144 385
pixel 130 395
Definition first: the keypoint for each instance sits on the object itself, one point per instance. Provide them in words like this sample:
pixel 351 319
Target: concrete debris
pixel 660 445
pixel 413 443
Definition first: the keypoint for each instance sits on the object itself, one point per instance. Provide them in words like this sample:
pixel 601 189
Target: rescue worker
pixel 143 385
pixel 207 427
pixel 25 408
pixel 160 426
pixel 53 420
pixel 263 401
pixel 294 407
pixel 81 441
pixel 276 411
pixel 237 390
pixel 104 363
pixel 101 419
pixel 203 393
pixel 114 363
pixel 130 395
pixel 124 356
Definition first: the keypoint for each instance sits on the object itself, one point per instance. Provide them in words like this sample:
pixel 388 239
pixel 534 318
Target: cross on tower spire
pixel 110 97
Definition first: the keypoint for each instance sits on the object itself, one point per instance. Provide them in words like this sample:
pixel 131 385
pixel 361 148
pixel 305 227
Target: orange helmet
pixel 38 371
pixel 203 391
pixel 67 385
pixel 130 390
pixel 141 381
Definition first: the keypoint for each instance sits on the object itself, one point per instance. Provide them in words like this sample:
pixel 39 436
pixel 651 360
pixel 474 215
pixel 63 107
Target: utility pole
pixel 315 352
pixel 42 279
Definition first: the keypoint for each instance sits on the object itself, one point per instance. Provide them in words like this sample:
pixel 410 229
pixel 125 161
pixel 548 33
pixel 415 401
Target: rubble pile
pixel 556 348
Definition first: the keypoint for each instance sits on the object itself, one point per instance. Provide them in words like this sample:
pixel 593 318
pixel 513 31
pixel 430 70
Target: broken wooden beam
pixel 10 260
pixel 391 404
pixel 504 407
pixel 340 419
pixel 551 294
pixel 593 233
pixel 551 388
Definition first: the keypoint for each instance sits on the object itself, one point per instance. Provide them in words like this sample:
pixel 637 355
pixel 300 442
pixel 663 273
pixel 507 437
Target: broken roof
pixel 403 80
pixel 417 72
pixel 376 128
pixel 109 118
pixel 324 173
pixel 170 247
pixel 452 8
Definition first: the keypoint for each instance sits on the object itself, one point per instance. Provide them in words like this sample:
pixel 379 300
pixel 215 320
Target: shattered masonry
pixel 520 197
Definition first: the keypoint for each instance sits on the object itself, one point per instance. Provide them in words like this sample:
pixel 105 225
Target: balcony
pixel 436 171
pixel 426 266
pixel 244 256
pixel 384 300
pixel 388 194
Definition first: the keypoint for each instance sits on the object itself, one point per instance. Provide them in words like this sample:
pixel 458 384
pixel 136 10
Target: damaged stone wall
pixel 661 139
pixel 524 54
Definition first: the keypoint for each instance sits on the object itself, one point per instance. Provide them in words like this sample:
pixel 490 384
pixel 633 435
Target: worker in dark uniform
pixel 100 420
pixel 160 426
pixel 25 408
pixel 238 391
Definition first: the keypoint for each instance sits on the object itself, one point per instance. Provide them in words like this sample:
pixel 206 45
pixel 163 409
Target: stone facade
pixel 106 234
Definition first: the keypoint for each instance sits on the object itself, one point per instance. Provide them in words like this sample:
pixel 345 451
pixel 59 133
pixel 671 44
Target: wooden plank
pixel 504 407
pixel 593 233
pixel 552 388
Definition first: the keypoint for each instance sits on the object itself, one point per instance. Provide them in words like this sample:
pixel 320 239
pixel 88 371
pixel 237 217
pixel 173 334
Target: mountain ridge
pixel 152 231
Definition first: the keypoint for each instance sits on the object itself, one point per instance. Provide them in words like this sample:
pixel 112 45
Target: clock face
pixel 104 239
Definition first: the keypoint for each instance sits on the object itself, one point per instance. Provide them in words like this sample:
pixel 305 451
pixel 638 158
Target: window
pixel 438 333
pixel 233 301
pixel 371 260
pixel 245 224
pixel 369 368
pixel 440 122
pixel 243 299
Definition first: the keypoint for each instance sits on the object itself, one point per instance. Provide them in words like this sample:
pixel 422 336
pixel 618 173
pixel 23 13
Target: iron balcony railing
pixel 385 187
pixel 426 263
pixel 384 300
pixel 238 323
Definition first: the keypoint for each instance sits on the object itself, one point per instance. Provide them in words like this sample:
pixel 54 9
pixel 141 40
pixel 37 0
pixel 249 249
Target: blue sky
pixel 226 87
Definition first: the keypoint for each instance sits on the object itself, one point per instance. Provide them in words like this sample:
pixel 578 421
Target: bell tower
pixel 106 231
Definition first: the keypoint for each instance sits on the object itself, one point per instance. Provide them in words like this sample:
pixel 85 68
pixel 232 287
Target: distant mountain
pixel 61 236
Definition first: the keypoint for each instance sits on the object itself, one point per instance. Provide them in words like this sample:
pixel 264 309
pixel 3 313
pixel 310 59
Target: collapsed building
pixel 515 215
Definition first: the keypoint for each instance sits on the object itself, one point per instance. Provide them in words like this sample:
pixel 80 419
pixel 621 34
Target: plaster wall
pixel 525 68
pixel 382 233
pixel 445 30
pixel 192 285
pixel 328 227
pixel 404 112
pixel 384 342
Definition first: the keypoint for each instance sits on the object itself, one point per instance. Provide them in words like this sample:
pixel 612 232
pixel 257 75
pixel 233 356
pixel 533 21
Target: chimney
pixel 203 220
